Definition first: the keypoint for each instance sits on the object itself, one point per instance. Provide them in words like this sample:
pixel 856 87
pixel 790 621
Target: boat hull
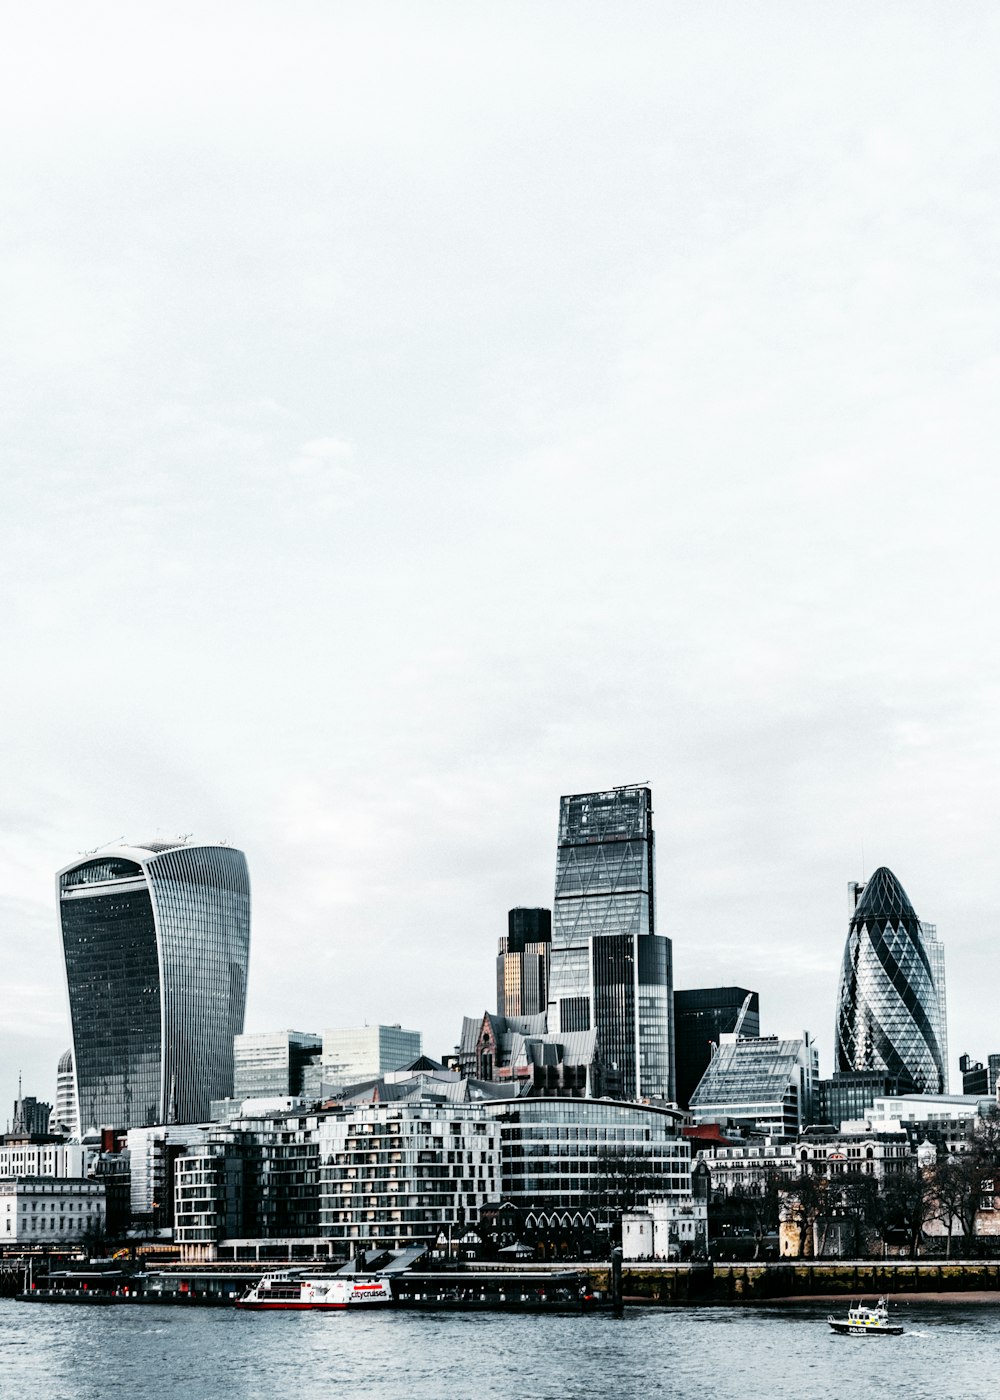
pixel 852 1329
pixel 314 1307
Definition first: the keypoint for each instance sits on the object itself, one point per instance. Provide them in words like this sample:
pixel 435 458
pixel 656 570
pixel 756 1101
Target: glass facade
pixel 935 955
pixel 767 1082
pixel 273 1064
pixel 353 1055
pixel 702 1017
pixel 609 969
pixel 887 1005
pixel 156 942
pixel 585 1155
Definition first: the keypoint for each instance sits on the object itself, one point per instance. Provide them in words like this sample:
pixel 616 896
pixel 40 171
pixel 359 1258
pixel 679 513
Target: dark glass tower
pixel 887 1011
pixel 523 963
pixel 610 971
pixel 702 1017
pixel 156 940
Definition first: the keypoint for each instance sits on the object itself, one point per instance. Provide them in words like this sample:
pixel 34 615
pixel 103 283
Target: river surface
pixel 66 1352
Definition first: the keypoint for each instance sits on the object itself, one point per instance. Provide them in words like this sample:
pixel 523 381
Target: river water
pixel 66 1352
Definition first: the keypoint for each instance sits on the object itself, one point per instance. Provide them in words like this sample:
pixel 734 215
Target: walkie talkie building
pixel 887 1006
pixel 156 940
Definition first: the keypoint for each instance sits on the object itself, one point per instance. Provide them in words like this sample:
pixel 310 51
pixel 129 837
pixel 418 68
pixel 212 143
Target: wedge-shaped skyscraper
pixel 610 971
pixel 887 1007
pixel 156 940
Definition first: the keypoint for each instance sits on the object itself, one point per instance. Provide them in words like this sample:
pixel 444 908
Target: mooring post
pixel 617 1297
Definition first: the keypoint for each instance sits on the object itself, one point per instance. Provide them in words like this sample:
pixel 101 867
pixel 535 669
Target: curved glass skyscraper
pixel 156 940
pixel 887 1009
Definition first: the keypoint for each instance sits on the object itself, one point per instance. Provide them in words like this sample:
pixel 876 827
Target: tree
pixel 907 1203
pixel 803 1201
pixel 957 1185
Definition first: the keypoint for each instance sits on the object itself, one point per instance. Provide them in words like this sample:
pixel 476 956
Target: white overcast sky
pixel 412 413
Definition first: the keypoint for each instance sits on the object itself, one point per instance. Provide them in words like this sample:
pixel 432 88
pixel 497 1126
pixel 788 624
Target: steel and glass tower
pixel 887 1006
pixel 156 940
pixel 610 971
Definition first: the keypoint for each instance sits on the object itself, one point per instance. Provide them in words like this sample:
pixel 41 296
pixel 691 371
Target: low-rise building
pixel 666 1229
pixel 750 1166
pixel 40 1210
pixel 56 1159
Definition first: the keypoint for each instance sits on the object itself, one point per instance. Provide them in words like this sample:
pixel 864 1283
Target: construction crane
pixel 743 1013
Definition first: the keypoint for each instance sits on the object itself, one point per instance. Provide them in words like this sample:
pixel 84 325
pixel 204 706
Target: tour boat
pixel 866 1322
pixel 287 1290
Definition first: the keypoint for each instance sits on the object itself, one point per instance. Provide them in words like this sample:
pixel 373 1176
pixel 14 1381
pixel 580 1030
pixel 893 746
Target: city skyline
pixel 409 420
pixel 828 1064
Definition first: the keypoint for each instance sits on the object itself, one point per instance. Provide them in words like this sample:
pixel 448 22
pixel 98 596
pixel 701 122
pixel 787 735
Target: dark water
pixel 74 1353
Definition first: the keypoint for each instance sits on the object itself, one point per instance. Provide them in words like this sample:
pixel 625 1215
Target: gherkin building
pixel 887 1002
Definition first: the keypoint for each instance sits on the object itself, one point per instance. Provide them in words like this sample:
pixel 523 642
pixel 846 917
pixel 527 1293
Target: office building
pixel 702 1016
pixel 978 1078
pixel 887 1004
pixel 609 969
pixel 935 955
pixel 848 1095
pixel 66 1118
pixel 47 1159
pixel 45 1211
pixel 352 1055
pixel 523 963
pixel 275 1064
pixel 156 940
pixel 768 1085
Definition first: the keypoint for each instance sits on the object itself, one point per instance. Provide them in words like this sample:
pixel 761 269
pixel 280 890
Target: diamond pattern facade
pixel 887 1006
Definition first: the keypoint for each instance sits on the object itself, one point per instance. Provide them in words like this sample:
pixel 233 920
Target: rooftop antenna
pixel 185 837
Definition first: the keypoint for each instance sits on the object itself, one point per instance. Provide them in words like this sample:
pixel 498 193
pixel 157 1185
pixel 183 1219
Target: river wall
pixel 758 1283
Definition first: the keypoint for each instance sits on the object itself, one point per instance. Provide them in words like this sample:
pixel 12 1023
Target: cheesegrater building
pixel 888 1011
pixel 156 940
pixel 609 970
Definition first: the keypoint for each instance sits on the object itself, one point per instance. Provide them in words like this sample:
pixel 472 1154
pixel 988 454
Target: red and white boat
pixel 299 1291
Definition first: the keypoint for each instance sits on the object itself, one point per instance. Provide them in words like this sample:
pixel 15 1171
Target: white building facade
pixel 37 1210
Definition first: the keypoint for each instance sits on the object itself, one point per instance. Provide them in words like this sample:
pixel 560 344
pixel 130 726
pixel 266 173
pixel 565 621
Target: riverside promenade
pixel 678 1284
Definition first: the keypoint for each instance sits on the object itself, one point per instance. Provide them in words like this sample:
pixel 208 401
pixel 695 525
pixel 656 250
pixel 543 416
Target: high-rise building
pixel 978 1078
pixel 765 1083
pixel 609 968
pixel 273 1064
pixel 702 1017
pixel 156 940
pixel 352 1055
pixel 887 1004
pixel 935 954
pixel 523 963
pixel 66 1115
